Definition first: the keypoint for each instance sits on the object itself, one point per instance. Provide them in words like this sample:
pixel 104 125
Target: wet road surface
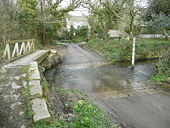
pixel 130 97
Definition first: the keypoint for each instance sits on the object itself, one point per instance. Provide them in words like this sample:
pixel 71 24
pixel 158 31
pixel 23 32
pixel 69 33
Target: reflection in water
pixel 129 97
pixel 105 80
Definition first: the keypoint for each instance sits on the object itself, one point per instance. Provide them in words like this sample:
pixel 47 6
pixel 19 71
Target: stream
pixel 130 96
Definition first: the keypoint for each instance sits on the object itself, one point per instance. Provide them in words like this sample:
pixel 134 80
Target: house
pixel 115 34
pixel 76 21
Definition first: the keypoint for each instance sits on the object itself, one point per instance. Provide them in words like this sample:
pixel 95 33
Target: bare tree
pixel 127 11
pixel 7 19
pixel 52 12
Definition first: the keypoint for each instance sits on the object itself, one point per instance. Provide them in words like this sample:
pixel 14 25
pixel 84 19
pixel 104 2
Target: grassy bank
pixel 163 68
pixel 77 112
pixel 120 50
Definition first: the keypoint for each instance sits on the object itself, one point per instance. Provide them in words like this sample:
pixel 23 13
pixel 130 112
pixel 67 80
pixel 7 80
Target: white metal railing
pixel 18 48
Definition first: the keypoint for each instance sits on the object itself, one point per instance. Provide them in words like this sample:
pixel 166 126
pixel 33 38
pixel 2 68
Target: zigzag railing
pixel 18 48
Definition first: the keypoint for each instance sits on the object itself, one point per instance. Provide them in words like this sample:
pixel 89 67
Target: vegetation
pixel 84 115
pixel 121 15
pixel 89 116
pixel 157 16
pixel 75 35
pixel 45 20
pixel 163 68
pixel 120 50
pixel 40 19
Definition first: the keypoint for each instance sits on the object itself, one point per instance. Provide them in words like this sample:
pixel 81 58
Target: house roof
pixel 115 33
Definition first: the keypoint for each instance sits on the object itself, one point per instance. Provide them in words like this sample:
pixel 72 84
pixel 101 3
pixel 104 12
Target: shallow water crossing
pixel 131 98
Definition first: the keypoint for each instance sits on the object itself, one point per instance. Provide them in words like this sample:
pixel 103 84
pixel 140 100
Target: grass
pixel 24 69
pixel 85 115
pixel 163 68
pixel 28 106
pixel 44 85
pixel 159 78
pixel 89 116
pixel 51 124
pixel 60 45
pixel 120 50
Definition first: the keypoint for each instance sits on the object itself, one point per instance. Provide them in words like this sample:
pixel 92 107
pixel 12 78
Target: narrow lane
pixel 130 97
pixel 77 55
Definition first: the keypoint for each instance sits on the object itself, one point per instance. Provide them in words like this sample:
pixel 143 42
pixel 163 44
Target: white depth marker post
pixel 133 52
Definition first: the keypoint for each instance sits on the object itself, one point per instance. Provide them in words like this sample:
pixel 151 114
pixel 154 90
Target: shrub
pixel 89 116
pixel 120 50
pixel 163 68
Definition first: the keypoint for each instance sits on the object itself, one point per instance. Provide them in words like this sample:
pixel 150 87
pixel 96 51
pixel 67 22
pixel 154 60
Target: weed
pixel 24 69
pixel 44 85
pixel 89 116
pixel 159 78
pixel 60 45
pixel 86 114
pixel 163 68
pixel 28 106
pixel 120 50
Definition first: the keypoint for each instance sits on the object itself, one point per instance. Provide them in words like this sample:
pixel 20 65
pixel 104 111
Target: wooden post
pixel 28 47
pixel 133 52
pixel 22 49
pixel 7 52
pixel 32 45
pixel 16 50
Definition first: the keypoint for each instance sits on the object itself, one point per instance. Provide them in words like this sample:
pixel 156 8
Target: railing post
pixel 28 46
pixel 22 49
pixel 7 52
pixel 32 44
pixel 16 50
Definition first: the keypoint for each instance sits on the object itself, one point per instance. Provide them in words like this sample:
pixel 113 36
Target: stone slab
pixel 35 75
pixel 53 51
pixel 33 64
pixel 35 87
pixel 40 109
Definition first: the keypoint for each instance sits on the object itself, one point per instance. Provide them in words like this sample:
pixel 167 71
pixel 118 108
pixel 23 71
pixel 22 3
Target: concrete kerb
pixel 39 106
pixel 40 109
pixel 35 87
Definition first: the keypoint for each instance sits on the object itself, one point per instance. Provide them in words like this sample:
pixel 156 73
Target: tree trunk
pixel 166 34
pixel 42 34
pixel 131 30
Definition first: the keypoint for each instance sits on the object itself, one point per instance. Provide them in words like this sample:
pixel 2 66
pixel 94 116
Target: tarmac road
pixel 130 97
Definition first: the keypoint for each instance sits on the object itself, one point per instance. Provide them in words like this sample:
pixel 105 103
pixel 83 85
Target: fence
pixel 16 49
pixel 152 36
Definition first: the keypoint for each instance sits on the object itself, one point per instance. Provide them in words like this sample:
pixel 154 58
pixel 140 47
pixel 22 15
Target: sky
pixel 81 11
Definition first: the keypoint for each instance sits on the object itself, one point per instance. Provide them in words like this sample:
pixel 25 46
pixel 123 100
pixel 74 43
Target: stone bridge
pixel 21 72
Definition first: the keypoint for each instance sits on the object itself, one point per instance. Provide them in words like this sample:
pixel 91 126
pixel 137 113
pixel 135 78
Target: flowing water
pixel 129 96
pixel 105 80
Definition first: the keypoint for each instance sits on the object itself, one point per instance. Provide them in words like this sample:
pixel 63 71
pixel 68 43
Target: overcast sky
pixel 83 11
